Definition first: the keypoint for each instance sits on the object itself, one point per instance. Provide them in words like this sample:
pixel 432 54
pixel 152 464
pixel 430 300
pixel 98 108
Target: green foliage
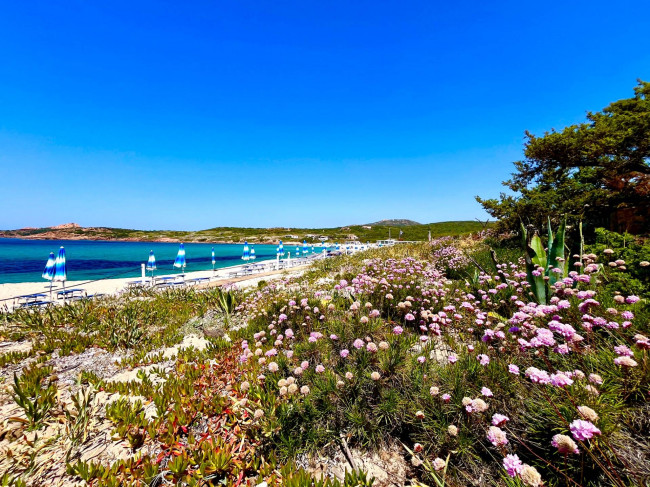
pixel 632 277
pixel 34 394
pixel 584 171
pixel 13 357
pixel 544 270
pixel 79 418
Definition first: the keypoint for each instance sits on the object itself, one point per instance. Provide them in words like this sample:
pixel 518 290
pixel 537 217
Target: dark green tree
pixel 589 171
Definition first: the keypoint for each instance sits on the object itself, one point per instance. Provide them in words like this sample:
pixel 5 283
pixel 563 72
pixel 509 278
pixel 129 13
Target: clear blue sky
pixel 189 115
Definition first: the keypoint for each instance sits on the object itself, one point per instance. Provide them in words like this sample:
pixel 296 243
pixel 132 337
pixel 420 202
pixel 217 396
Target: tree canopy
pixel 589 171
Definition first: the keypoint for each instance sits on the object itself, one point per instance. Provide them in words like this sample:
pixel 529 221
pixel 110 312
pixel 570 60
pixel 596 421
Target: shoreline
pixel 10 291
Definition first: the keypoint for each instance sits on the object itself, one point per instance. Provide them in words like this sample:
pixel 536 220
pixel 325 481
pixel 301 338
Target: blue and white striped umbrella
pixel 305 250
pixel 297 251
pixel 247 252
pixel 48 273
pixel 151 263
pixel 312 249
pixel 60 271
pixel 338 247
pixel 281 249
pixel 180 258
pixel 214 259
pixel 252 253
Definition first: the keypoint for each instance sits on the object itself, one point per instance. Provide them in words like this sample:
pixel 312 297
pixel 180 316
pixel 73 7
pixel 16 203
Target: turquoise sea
pixel 24 260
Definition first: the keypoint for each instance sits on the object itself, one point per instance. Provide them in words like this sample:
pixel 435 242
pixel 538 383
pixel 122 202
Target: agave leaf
pixel 537 283
pixel 557 251
pixel 550 243
pixel 540 254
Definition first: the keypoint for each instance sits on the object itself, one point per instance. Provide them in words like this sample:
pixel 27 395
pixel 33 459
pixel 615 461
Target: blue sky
pixel 190 115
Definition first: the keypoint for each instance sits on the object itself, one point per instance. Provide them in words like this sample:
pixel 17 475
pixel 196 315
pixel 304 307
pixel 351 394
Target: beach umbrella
pixel 247 254
pixel 214 260
pixel 60 270
pixel 151 263
pixel 252 253
pixel 281 249
pixel 297 251
pixel 338 247
pixel 48 273
pixel 312 249
pixel 180 258
pixel 305 250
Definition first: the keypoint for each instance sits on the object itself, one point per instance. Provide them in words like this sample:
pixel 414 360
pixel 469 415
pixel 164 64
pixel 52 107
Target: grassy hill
pixel 364 233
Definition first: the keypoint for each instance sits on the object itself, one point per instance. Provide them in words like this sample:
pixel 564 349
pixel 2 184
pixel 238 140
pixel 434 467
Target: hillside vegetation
pixel 236 234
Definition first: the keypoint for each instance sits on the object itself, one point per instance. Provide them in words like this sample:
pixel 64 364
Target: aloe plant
pixel 544 269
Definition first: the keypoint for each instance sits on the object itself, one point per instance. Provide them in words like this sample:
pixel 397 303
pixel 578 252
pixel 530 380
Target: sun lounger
pixel 70 293
pixel 31 298
pixel 35 304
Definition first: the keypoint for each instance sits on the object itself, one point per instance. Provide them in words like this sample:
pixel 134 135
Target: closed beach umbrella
pixel 48 273
pixel 305 250
pixel 281 249
pixel 180 258
pixel 214 260
pixel 338 247
pixel 151 263
pixel 60 271
pixel 247 253
pixel 252 253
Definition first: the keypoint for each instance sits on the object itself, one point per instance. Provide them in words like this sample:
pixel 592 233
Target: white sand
pixel 9 291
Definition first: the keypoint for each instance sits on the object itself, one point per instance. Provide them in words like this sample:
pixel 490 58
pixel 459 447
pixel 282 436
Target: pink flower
pixel 483 359
pixel 304 365
pixel 513 465
pixel 486 392
pixel 453 358
pixel 499 419
pixel 398 330
pixel 513 369
pixel 623 350
pixel 358 343
pixel 497 436
pixel 421 359
pixel 409 317
pixel 583 430
pixel 625 361
pixel 320 369
pixel 446 397
pixel 344 353
pixel 538 376
pixel 560 380
pixel 334 337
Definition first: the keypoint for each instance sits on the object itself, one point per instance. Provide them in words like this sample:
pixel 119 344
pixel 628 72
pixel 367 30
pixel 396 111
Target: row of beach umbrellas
pixel 55 268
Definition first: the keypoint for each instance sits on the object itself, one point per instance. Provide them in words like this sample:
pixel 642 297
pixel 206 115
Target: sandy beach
pixel 10 292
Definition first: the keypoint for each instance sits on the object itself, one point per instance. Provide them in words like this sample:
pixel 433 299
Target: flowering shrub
pixel 397 350
pixel 467 373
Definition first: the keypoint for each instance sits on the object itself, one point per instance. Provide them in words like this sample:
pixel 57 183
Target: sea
pixel 24 260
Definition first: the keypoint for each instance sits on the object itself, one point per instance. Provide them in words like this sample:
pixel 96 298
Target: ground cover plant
pixel 442 354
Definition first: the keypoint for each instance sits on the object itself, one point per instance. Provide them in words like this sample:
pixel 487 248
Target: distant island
pixel 384 229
